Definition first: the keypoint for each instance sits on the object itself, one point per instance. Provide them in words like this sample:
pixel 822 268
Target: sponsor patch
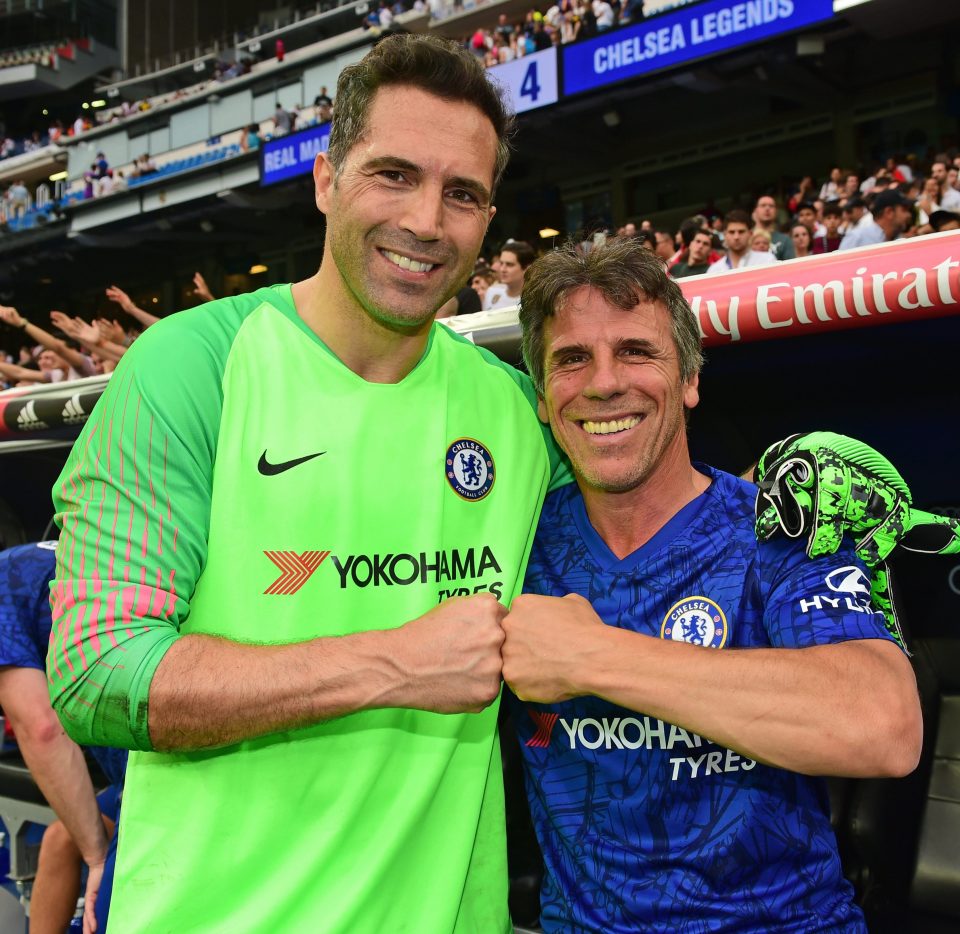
pixel 469 469
pixel 697 620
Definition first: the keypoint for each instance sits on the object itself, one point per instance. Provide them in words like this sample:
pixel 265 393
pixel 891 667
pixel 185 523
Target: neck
pixel 626 521
pixel 737 255
pixel 514 291
pixel 374 351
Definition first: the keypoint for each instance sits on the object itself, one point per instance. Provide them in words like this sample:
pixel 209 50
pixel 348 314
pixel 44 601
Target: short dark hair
pixel 524 253
pixel 736 216
pixel 430 63
pixel 625 273
pixel 690 227
pixel 832 209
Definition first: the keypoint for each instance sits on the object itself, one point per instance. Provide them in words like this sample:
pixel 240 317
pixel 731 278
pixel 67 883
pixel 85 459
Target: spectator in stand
pixel 804 192
pixel 323 99
pixel 851 187
pixel 250 138
pixel 892 215
pixel 832 189
pixel 807 215
pixel 949 198
pixel 281 121
pixel 697 260
pixel 19 196
pixel 688 228
pixel 58 361
pixel 929 200
pixel 760 240
pixel 103 340
pixel 830 239
pixel 145 165
pixel 101 166
pixel 944 220
pixel 855 214
pixel 765 216
pixel 802 240
pixel 736 240
pixel 515 257
pixel 666 245
pixel 603 13
pixel 483 278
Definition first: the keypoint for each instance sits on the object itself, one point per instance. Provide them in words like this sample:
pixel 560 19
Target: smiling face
pixel 407 214
pixel 612 390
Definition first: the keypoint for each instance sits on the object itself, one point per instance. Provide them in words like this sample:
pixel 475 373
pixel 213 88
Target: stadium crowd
pixel 845 211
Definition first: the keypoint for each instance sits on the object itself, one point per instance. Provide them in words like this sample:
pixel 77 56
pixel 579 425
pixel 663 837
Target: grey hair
pixel 625 273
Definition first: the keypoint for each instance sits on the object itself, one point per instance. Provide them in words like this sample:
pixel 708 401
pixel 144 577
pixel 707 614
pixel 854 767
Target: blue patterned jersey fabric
pixel 25 622
pixel 645 826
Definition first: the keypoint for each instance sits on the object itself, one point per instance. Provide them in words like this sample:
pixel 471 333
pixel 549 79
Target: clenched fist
pixel 550 644
pixel 451 655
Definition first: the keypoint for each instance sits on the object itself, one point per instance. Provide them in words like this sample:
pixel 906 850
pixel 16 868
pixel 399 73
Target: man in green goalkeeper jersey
pixel 281 587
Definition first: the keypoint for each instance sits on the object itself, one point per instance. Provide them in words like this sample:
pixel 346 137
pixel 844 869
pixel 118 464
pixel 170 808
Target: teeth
pixel 609 428
pixel 404 262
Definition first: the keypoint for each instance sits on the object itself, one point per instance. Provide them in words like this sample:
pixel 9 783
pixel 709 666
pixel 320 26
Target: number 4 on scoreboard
pixel 530 86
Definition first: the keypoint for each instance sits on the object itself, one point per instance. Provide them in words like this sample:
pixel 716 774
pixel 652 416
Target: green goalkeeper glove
pixel 823 485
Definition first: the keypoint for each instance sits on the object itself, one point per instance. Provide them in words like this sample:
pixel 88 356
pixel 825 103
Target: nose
pixel 606 378
pixel 423 213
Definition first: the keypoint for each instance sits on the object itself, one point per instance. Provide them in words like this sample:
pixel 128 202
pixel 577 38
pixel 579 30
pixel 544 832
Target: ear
pixel 323 181
pixel 691 392
pixel 491 215
pixel 542 410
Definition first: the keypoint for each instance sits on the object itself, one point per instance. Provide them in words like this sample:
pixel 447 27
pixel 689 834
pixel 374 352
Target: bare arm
pixel 844 709
pixel 209 691
pixel 117 295
pixel 55 761
pixel 77 360
pixel 89 335
pixel 14 371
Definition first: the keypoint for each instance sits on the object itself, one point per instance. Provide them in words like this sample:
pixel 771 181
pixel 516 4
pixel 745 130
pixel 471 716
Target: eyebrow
pixel 458 181
pixel 636 343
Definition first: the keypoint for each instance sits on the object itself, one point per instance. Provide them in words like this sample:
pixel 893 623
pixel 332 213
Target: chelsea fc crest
pixel 696 620
pixel 469 469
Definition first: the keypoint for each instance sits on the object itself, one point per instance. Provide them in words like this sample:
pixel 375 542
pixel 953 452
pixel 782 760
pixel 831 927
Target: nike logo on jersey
pixel 271 470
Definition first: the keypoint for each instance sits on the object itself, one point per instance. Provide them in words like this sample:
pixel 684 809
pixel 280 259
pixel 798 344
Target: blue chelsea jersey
pixel 25 623
pixel 646 826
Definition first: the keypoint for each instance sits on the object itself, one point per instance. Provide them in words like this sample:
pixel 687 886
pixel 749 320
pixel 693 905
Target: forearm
pixel 144 317
pixel 13 371
pixel 110 350
pixel 845 709
pixel 59 768
pixel 209 691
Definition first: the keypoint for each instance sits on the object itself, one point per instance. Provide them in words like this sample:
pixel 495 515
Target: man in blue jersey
pixel 56 762
pixel 676 682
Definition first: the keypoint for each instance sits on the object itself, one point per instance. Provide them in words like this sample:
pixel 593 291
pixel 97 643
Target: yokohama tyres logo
pixel 296 569
pixel 545 723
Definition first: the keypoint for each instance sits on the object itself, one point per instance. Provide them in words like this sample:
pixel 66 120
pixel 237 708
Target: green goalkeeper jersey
pixel 237 479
